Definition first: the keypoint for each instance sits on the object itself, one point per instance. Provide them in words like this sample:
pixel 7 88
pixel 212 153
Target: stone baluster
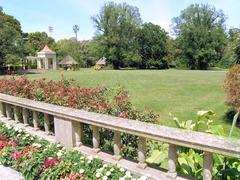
pixel 207 166
pixel 142 152
pixel 96 139
pixel 25 114
pixel 35 120
pixel 46 123
pixel 77 133
pixel 172 161
pixel 117 145
pixel 8 111
pixel 2 109
pixel 16 111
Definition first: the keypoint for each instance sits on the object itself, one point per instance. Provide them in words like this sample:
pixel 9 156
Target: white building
pixel 46 59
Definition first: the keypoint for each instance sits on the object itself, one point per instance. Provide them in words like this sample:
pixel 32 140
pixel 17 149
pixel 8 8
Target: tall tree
pixel 116 26
pixel 10 38
pixel 153 46
pixel 201 33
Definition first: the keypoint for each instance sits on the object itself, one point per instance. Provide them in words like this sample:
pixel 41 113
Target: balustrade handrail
pixel 196 140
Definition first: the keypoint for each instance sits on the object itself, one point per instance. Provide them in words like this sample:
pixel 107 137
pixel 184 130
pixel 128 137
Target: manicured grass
pixel 181 92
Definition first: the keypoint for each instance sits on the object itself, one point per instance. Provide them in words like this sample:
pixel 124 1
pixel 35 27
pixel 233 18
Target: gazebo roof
pixel 102 61
pixel 68 60
pixel 46 50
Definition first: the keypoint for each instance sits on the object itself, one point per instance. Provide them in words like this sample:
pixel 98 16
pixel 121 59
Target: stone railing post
pixel 2 109
pixel 8 111
pixel 142 152
pixel 25 114
pixel 35 120
pixel 172 160
pixel 16 111
pixel 77 133
pixel 207 166
pixel 46 123
pixel 117 145
pixel 96 139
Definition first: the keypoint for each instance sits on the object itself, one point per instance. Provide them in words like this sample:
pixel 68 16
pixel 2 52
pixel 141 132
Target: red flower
pixel 123 114
pixel 51 162
pixel 17 155
pixel 3 143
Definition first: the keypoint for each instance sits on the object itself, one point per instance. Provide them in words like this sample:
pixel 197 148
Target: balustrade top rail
pixel 195 140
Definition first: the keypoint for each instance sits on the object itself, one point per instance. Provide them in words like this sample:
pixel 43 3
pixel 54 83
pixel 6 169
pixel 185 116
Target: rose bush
pixel 113 101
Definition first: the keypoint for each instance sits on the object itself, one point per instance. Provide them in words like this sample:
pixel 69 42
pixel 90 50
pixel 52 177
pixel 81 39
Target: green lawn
pixel 181 92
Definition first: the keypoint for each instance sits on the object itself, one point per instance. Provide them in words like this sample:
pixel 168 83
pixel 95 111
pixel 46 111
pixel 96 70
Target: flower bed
pixel 38 159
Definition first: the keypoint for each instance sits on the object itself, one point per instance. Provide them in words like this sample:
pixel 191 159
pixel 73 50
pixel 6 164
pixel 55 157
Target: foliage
pixel 201 36
pixel 116 27
pixel 81 51
pixel 237 49
pixel 10 38
pixel 112 101
pixel 152 40
pixel 38 159
pixel 36 41
pixel 190 161
pixel 232 84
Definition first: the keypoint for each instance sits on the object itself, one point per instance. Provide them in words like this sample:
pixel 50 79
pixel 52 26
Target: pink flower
pixel 14 143
pixel 17 155
pixel 51 162
pixel 123 114
pixel 3 144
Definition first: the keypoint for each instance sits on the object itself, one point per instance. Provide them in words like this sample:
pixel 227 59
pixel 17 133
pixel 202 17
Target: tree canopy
pixel 10 38
pixel 116 30
pixel 200 31
pixel 153 46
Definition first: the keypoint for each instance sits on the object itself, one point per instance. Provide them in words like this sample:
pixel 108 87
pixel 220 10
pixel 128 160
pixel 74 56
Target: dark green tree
pixel 153 46
pixel 10 38
pixel 201 35
pixel 116 26
pixel 36 41
pixel 237 50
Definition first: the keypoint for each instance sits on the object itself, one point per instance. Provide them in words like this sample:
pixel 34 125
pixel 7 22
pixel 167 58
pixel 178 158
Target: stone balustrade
pixel 68 130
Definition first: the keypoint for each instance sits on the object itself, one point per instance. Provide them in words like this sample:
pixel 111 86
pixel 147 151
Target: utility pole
pixel 50 30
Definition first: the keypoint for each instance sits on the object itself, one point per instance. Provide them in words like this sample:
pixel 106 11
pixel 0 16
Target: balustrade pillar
pixel 16 111
pixel 2 109
pixel 172 160
pixel 117 145
pixel 142 153
pixel 35 120
pixel 96 139
pixel 8 111
pixel 77 133
pixel 25 114
pixel 46 123
pixel 207 166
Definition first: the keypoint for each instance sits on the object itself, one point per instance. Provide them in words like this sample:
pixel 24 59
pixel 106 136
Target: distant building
pixel 101 61
pixel 68 63
pixel 46 59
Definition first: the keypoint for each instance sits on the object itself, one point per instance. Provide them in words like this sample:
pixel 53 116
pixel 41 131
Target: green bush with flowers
pixel 38 159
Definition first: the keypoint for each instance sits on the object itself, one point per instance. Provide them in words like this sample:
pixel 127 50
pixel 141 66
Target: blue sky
pixel 37 15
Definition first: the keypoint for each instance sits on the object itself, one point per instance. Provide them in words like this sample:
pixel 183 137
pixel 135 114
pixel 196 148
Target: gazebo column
pixel 39 65
pixel 46 63
pixel 54 62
